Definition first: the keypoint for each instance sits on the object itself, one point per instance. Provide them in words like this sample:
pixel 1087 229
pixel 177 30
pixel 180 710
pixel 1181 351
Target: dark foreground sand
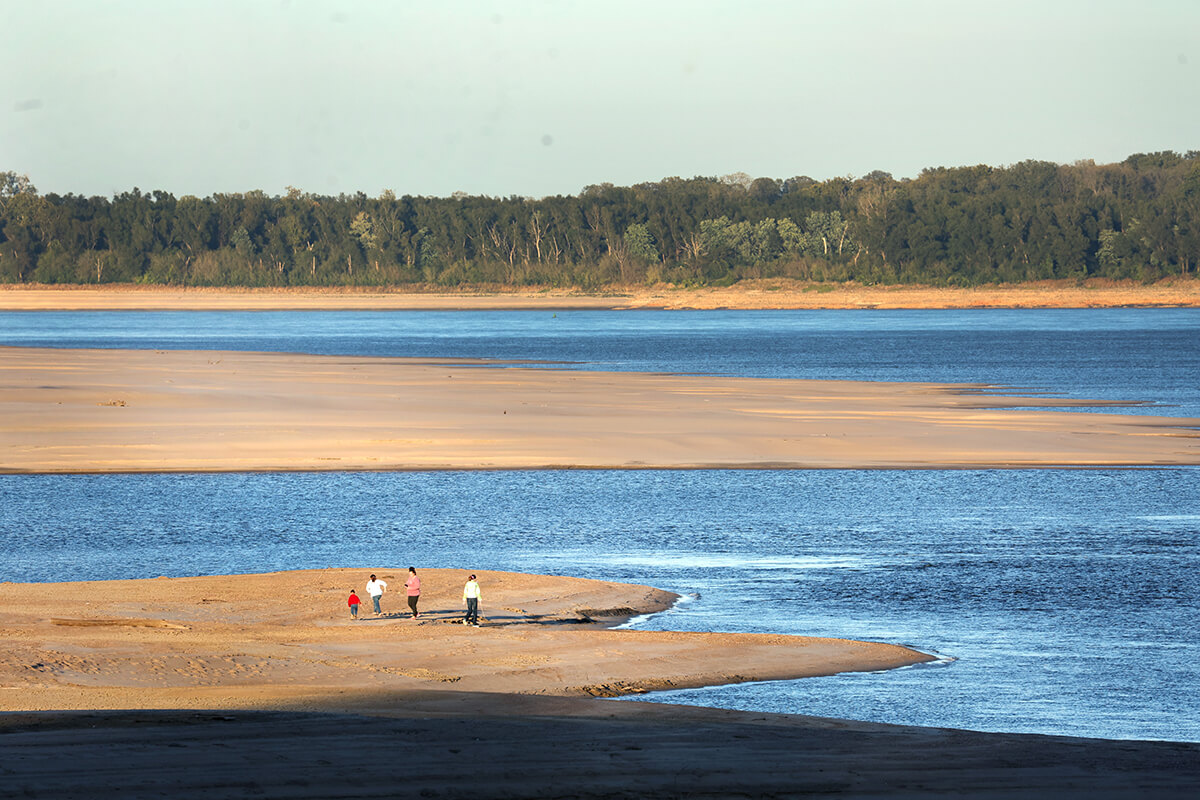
pixel 261 686
pixel 540 748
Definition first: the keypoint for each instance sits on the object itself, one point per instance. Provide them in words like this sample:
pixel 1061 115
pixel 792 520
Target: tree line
pixel 1034 220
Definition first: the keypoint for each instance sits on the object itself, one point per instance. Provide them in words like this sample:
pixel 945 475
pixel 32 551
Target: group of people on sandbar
pixel 376 587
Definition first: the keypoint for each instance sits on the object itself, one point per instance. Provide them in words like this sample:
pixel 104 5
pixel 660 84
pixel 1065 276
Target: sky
pixel 541 97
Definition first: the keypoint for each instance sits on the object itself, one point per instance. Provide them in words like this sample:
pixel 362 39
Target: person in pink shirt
pixel 414 591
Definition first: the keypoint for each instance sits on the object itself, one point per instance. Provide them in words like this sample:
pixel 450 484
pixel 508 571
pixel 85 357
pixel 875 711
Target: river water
pixel 1059 601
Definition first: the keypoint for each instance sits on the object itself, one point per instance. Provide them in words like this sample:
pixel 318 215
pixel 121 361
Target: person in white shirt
pixel 472 595
pixel 375 589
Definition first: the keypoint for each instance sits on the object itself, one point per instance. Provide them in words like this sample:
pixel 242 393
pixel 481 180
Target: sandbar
pixel 262 686
pixel 64 410
pixel 286 639
pixel 776 293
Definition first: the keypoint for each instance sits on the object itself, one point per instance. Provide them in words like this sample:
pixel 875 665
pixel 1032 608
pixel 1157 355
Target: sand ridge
pixel 65 410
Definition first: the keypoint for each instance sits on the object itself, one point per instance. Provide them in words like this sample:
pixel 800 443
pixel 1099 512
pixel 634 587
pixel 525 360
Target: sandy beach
pixel 750 294
pixel 262 685
pixel 287 640
pixel 141 410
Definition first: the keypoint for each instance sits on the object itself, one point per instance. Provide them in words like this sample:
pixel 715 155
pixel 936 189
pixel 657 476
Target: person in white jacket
pixel 472 595
pixel 375 588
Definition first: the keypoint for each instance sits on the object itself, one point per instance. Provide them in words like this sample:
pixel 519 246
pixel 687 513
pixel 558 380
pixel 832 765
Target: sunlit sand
pixel 261 641
pixel 748 294
pixel 141 410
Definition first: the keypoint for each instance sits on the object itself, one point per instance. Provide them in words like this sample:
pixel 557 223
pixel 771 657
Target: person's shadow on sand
pixel 454 616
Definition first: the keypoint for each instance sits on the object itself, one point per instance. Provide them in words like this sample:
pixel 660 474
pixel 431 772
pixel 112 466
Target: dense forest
pixel 962 226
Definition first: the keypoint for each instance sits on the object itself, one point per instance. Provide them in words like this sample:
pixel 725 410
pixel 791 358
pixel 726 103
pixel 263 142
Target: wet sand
pixel 262 686
pixel 748 294
pixel 143 411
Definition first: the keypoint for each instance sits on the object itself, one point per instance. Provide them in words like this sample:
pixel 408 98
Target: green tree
pixel 364 231
pixel 640 243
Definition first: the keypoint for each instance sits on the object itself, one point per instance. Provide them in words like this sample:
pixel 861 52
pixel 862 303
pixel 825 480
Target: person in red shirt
pixel 414 591
pixel 353 603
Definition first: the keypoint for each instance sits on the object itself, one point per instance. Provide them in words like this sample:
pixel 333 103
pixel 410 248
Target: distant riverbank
pixel 758 294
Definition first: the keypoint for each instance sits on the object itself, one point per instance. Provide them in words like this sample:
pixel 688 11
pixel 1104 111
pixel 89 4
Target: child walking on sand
pixel 414 591
pixel 353 603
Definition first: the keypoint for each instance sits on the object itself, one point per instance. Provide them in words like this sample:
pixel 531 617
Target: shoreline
pixel 100 410
pixel 765 294
pixel 258 685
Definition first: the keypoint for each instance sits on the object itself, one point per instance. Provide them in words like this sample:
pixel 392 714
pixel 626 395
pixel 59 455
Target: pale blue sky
pixel 535 98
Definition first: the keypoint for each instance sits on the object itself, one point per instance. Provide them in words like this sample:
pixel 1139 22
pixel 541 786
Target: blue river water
pixel 1060 601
